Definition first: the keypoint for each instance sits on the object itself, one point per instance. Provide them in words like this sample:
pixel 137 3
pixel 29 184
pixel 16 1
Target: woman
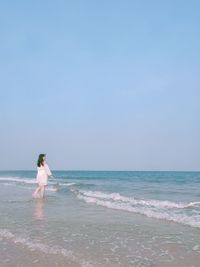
pixel 42 175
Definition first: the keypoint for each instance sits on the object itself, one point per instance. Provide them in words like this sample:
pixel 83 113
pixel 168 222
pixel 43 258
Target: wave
pixel 133 201
pixel 34 245
pixel 51 189
pixel 54 185
pixel 18 180
pixel 165 210
pixel 66 184
pixel 8 180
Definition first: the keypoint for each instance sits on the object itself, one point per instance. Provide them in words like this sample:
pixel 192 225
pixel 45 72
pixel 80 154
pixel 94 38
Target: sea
pixel 101 218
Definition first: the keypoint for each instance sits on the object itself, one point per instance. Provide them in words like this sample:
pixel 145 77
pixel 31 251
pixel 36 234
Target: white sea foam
pixel 18 180
pixel 34 245
pixel 9 180
pixel 133 201
pixel 24 182
pixel 165 210
pixel 67 184
pixel 51 189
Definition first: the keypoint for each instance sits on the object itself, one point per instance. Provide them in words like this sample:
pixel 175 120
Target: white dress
pixel 42 174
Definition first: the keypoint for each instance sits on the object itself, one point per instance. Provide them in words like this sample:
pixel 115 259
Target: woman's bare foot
pixel 34 195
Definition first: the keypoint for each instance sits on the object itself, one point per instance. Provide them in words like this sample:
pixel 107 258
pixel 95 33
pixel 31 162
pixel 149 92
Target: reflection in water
pixel 39 209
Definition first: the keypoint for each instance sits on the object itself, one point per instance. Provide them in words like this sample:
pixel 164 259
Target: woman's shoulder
pixel 40 167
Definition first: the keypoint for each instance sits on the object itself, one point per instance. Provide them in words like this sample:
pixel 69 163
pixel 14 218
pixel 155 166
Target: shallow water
pixel 101 219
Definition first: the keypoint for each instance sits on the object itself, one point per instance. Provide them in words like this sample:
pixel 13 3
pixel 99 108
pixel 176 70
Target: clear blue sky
pixel 104 85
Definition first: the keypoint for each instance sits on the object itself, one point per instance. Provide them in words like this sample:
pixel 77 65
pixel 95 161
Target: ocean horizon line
pixel 96 170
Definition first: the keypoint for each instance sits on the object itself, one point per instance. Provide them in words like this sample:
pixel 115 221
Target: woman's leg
pixel 38 189
pixel 42 190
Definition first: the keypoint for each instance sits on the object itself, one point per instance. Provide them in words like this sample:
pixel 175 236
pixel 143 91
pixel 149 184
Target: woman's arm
pixel 48 170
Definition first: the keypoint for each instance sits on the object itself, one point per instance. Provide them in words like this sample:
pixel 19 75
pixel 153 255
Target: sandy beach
pixel 67 230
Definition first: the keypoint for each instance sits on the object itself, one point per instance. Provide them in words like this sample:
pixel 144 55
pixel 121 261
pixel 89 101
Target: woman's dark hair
pixel 41 160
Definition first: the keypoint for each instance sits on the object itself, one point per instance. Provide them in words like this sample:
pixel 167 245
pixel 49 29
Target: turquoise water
pixel 105 218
